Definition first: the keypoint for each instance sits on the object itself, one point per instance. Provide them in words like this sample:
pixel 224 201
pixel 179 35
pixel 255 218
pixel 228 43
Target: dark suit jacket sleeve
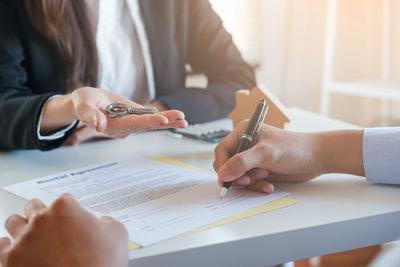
pixel 20 108
pixel 212 52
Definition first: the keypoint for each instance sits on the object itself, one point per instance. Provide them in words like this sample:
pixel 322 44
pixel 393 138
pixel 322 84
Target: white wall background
pixel 286 38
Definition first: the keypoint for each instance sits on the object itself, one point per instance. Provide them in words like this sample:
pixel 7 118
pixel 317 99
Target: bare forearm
pixel 57 113
pixel 341 152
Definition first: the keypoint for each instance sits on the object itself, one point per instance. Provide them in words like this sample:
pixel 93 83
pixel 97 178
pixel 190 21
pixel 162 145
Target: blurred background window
pixel 344 52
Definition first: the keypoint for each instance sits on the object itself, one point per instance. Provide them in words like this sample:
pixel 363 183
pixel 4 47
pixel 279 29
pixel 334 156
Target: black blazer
pixel 179 32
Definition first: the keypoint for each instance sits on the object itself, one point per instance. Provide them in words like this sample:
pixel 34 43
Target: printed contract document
pixel 155 201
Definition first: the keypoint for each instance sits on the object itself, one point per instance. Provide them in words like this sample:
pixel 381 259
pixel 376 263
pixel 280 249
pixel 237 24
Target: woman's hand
pixel 89 106
pixel 280 155
pixel 63 234
pixel 83 132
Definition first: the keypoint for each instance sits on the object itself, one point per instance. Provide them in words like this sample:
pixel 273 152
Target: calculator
pixel 206 133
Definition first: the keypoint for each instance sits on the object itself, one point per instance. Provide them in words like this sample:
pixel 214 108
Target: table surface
pixel 336 212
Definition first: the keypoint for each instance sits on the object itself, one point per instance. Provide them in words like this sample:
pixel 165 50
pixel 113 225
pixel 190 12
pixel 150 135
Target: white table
pixel 335 212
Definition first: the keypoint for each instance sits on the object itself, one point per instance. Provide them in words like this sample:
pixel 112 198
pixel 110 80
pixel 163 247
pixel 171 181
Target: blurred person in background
pixel 55 55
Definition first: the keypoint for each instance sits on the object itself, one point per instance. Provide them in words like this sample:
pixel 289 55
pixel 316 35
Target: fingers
pixel 225 150
pixel 119 227
pixel 90 115
pixel 228 146
pixel 67 198
pixel 174 124
pixel 32 207
pixel 136 123
pixel 242 180
pixel 262 187
pixel 119 127
pixel 256 157
pixel 82 134
pixel 258 174
pixel 4 245
pixel 253 175
pixel 101 121
pixel 15 224
pixel 254 180
pixel 107 219
pixel 146 121
pixel 222 154
pixel 173 115
pixel 95 119
pixel 249 178
pixel 66 206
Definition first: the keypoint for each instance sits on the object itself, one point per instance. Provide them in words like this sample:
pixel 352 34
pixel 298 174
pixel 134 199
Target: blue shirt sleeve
pixel 381 155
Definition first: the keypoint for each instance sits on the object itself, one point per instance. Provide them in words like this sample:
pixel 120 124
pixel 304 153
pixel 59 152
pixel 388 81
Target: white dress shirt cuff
pixel 381 155
pixel 57 135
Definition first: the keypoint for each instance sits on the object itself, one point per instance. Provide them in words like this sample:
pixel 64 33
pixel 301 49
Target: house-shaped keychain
pixel 246 101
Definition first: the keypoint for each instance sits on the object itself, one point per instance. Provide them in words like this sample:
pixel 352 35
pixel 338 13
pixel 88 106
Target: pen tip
pixel 224 190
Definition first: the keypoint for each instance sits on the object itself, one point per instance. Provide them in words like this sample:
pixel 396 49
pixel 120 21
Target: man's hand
pixel 284 156
pixel 63 234
pixel 275 155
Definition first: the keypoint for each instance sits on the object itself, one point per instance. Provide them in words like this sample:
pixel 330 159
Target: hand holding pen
pixel 250 132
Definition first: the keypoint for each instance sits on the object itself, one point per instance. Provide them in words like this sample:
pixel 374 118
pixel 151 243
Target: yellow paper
pixel 132 246
pixel 272 205
pixel 170 161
